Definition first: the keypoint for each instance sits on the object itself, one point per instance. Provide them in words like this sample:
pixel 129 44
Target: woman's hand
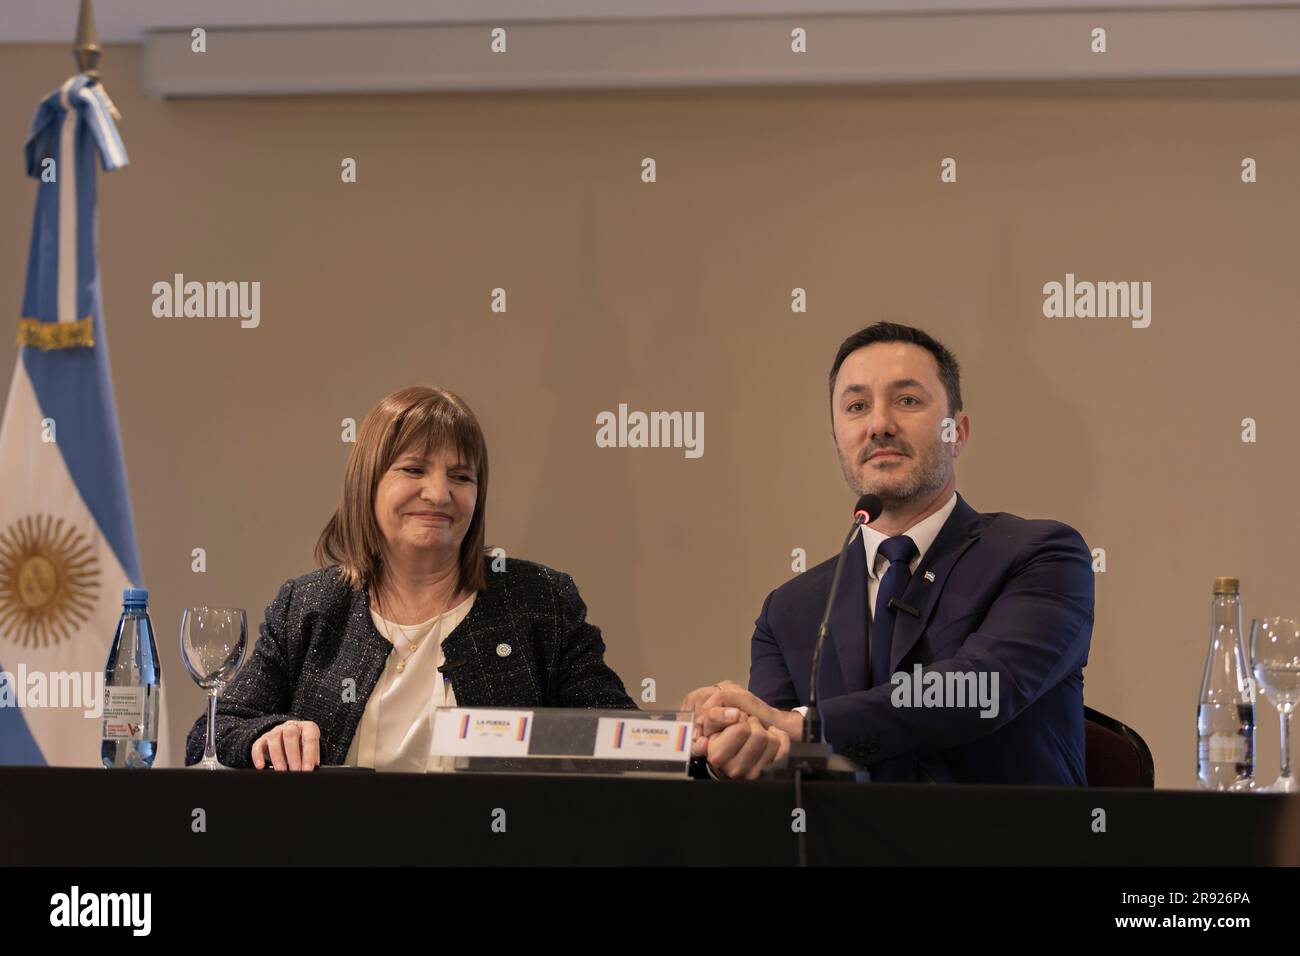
pixel 292 745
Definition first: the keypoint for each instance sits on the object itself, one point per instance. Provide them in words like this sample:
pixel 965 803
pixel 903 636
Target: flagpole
pixel 86 50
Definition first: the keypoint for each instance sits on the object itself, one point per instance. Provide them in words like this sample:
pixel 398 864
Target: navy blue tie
pixel 899 550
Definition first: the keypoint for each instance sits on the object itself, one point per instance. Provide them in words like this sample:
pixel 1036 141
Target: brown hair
pixel 415 417
pixel 949 371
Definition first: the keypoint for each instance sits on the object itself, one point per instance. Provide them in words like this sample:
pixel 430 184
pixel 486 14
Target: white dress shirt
pixel 923 533
pixel 396 729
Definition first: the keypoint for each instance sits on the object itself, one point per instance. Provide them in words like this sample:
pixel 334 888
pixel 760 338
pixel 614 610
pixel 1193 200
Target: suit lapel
pixel 848 623
pixel 958 533
pixel 464 650
pixel 372 651
pixel 362 631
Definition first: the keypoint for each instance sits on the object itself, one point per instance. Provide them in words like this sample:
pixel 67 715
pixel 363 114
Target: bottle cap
pixel 135 596
pixel 1226 585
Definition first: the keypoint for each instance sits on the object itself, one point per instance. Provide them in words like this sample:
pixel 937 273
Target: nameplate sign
pixel 480 732
pixel 559 740
pixel 622 739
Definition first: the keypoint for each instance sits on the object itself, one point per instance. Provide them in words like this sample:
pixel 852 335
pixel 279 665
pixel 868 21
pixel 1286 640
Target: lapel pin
pixel 503 650
pixel 929 575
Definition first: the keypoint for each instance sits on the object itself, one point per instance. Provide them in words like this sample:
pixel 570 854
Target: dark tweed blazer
pixel 318 633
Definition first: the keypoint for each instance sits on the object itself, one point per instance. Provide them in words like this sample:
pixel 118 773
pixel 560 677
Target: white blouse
pixel 396 729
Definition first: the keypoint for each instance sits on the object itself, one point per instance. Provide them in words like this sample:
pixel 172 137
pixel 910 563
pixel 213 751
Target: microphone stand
pixel 812 758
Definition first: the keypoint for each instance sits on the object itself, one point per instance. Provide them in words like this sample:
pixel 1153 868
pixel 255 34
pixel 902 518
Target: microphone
pixel 867 510
pixel 812 756
pixel 898 605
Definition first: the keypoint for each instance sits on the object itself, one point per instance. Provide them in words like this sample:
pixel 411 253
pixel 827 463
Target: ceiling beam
pixel 866 49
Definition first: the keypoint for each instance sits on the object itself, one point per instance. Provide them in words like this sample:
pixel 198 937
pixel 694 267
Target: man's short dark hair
pixel 949 372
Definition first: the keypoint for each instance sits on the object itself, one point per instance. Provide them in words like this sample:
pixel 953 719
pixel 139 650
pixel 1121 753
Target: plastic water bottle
pixel 132 687
pixel 1225 719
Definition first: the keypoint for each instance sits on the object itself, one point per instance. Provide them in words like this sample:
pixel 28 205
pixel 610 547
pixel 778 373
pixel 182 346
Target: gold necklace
pixel 415 645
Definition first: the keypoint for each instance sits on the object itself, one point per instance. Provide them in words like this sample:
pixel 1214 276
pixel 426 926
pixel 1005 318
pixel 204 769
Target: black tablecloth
pixel 76 817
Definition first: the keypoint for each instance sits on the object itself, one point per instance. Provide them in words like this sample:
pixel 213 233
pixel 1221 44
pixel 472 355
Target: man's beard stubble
pixel 927 478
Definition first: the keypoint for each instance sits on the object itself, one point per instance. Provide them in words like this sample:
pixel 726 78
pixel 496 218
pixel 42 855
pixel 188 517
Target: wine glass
pixel 1275 661
pixel 213 640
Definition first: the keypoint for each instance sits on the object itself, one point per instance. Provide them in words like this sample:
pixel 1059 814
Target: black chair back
pixel 1116 754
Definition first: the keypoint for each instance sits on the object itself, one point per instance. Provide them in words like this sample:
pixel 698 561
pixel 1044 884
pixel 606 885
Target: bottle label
pixel 1223 748
pixel 124 709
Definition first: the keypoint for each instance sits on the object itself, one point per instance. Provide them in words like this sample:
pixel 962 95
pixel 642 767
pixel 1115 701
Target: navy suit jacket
pixel 1008 594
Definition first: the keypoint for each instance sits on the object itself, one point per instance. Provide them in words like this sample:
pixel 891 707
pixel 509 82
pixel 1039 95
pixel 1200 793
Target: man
pixel 980 623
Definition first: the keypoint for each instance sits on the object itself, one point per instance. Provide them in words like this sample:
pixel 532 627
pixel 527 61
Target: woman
pixel 410 613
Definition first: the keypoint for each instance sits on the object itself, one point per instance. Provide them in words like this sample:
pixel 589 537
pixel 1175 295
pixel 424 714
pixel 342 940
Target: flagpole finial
pixel 87 49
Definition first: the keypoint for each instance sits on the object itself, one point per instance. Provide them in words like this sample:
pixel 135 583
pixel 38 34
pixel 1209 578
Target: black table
pixel 61 817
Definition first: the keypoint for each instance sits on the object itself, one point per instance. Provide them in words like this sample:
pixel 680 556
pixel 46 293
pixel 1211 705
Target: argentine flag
pixel 67 538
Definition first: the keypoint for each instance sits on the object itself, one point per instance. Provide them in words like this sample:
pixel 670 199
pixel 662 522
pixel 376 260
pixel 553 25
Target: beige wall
pixel 675 296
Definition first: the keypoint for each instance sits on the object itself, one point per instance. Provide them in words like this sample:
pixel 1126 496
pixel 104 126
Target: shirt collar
pixel 923 533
